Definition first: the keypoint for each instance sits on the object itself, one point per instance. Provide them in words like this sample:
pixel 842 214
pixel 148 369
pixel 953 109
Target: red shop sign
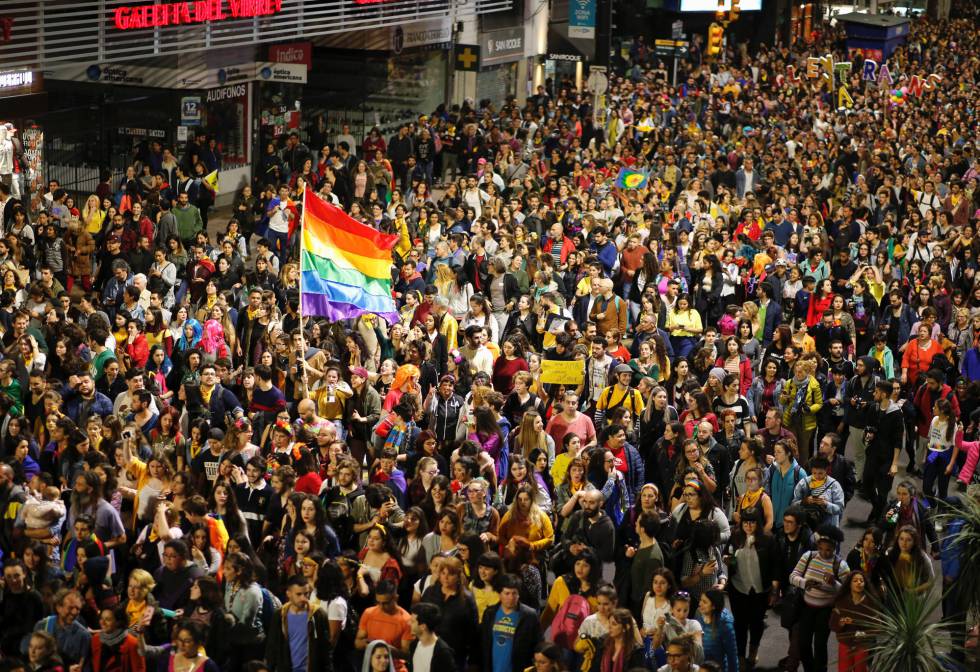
pixel 294 52
pixel 196 11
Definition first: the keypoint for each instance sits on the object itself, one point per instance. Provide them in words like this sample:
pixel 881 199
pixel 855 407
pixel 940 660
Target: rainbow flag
pixel 631 179
pixel 345 266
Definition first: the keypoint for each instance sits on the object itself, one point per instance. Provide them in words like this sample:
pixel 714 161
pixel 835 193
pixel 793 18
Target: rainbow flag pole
pixel 345 266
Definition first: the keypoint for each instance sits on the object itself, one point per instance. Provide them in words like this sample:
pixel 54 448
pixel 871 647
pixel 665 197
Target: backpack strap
pixel 809 557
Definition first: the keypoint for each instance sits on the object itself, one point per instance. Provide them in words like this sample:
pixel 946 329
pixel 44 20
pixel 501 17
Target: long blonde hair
pixel 284 274
pixel 527 438
pixel 445 277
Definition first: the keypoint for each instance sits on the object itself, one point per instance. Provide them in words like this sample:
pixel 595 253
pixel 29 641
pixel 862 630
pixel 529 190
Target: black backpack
pixel 339 512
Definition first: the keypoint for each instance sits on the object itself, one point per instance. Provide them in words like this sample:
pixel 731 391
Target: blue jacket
pixel 719 641
pixel 971 364
pixel 832 491
pixel 949 554
pixel 782 489
pixel 608 254
pixel 905 322
pixel 101 405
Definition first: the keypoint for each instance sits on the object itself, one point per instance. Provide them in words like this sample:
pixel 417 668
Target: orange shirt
pixel 917 360
pixel 391 628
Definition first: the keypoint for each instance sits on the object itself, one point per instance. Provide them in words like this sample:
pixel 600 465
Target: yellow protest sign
pixel 563 373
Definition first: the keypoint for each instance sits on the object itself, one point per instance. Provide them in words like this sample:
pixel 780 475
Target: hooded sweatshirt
pixel 889 432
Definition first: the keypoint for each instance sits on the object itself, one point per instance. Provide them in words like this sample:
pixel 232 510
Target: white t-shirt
pixel 279 219
pixel 592 627
pixel 337 611
pixel 652 613
pixel 422 658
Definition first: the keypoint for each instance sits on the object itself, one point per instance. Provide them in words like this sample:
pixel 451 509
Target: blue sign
pixel 190 110
pixel 581 19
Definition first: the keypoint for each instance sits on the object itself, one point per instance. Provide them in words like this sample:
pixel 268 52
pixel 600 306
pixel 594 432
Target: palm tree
pixel 904 635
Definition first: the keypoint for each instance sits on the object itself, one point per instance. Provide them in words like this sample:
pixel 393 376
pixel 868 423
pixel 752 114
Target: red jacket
pixel 817 308
pixel 567 247
pixel 924 400
pixel 138 351
pixel 744 373
pixel 130 659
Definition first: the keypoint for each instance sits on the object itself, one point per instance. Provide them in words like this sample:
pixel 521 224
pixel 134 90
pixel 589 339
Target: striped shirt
pixel 812 567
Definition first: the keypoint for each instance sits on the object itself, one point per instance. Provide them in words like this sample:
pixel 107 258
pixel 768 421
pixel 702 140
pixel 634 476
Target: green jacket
pixel 189 221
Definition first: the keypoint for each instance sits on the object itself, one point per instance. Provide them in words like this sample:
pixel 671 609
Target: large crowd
pixel 783 319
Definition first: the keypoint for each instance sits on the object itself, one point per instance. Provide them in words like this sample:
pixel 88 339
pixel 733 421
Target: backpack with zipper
pixel 566 623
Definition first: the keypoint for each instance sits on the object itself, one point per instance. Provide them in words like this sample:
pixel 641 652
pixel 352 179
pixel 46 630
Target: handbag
pixel 791 607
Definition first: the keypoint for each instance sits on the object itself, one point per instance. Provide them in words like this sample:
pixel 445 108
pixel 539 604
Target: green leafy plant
pixel 964 518
pixel 904 634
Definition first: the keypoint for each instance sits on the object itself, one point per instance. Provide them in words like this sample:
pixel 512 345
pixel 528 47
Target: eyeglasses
pixel 682 595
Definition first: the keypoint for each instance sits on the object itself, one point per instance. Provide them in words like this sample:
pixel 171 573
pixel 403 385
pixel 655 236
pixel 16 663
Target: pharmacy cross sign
pixel 467 57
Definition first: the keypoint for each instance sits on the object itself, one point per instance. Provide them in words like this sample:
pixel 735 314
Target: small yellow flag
pixel 211 181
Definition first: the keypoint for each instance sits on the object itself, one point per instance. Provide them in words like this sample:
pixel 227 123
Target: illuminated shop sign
pixel 186 13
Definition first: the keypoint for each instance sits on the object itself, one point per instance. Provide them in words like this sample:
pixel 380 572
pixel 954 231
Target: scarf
pixel 750 499
pixel 135 612
pixel 799 404
pixel 612 662
pixel 113 638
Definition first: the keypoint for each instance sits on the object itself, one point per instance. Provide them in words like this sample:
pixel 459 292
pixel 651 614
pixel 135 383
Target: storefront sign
pixel 143 132
pixel 466 57
pixel 573 58
pixel 285 73
pixel 225 92
pixel 17 79
pixel 232 74
pixel 184 13
pixel 581 19
pixel 295 52
pixel 174 78
pixel 502 46
pixel 426 33
pixel 190 110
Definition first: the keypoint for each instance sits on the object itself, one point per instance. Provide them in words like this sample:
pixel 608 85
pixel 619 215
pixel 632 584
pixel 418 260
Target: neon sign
pixel 196 11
